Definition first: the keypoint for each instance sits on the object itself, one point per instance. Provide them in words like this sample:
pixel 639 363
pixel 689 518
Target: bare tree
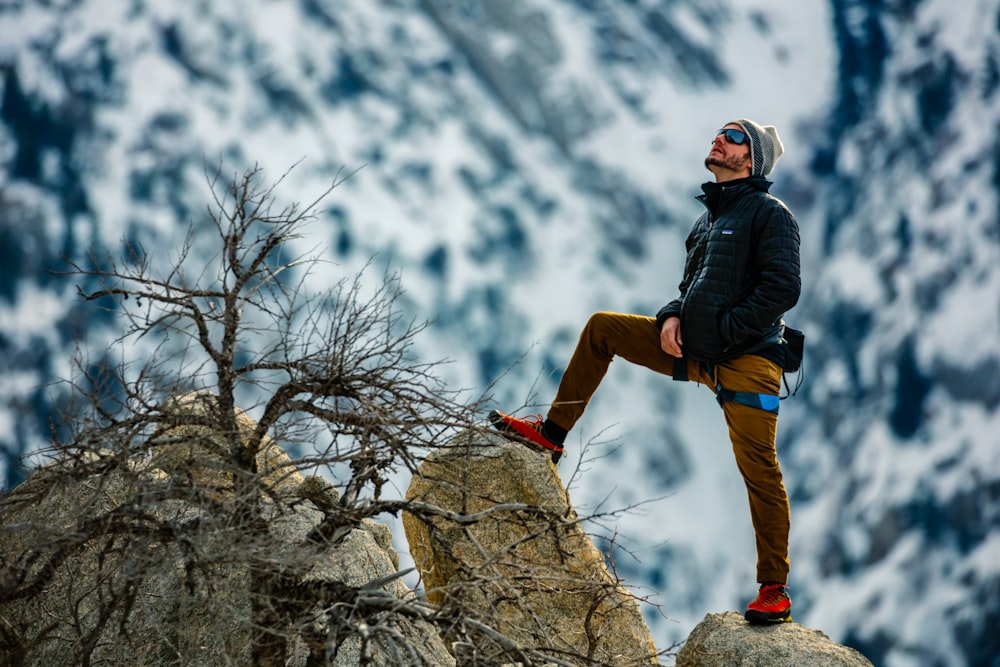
pixel 229 359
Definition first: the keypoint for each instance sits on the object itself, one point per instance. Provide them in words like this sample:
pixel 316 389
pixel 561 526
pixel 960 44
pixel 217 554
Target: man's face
pixel 726 155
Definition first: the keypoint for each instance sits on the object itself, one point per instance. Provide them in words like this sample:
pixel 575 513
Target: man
pixel 724 330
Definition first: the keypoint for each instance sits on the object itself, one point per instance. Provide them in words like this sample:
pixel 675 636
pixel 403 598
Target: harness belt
pixel 766 402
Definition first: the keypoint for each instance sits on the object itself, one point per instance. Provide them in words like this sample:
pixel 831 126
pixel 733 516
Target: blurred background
pixel 523 163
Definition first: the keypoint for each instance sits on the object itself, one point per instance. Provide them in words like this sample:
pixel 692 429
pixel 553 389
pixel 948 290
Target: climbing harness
pixel 766 402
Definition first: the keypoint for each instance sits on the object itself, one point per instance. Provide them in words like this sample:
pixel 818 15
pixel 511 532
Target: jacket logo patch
pixel 727 232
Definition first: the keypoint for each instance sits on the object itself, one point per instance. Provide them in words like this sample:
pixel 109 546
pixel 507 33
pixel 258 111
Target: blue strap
pixel 766 402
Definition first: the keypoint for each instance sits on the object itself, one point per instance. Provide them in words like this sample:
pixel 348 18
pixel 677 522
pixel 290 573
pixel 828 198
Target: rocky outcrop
pixel 184 598
pixel 490 526
pixel 726 640
pixel 523 559
pixel 198 453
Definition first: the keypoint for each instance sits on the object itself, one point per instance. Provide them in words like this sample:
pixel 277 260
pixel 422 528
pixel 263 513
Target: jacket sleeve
pixel 775 282
pixel 673 309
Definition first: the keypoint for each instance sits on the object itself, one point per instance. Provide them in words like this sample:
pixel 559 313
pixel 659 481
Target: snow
pixel 34 312
pixel 852 278
pixel 430 118
pixel 965 328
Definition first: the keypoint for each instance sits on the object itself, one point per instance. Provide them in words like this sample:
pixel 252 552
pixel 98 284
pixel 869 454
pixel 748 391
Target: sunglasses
pixel 733 136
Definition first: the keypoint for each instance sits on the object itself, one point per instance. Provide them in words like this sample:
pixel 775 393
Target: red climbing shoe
pixel 772 605
pixel 529 429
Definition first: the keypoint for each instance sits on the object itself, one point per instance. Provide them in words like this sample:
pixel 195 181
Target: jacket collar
pixel 716 195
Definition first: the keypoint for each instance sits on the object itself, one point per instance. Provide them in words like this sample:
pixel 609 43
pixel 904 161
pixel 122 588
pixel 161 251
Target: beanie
pixel 765 146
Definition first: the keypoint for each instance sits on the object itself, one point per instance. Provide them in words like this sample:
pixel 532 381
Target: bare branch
pixel 165 483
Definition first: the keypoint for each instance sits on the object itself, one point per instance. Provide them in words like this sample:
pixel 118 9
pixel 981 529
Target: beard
pixel 733 163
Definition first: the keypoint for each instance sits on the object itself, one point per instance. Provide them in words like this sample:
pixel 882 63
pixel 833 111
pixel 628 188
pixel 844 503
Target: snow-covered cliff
pixel 524 163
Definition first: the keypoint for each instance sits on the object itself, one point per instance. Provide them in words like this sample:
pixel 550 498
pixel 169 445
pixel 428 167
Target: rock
pixel 538 579
pixel 198 452
pixel 524 564
pixel 185 600
pixel 727 640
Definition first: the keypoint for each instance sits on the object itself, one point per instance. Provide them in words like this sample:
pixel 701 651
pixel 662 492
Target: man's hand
pixel 670 337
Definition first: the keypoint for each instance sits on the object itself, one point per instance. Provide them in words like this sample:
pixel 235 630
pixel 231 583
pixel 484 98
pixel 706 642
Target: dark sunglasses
pixel 733 136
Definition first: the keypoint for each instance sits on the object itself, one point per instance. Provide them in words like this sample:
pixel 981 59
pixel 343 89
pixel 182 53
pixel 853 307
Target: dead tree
pixel 228 348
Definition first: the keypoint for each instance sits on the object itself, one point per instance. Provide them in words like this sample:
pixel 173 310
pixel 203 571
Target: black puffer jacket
pixel 741 274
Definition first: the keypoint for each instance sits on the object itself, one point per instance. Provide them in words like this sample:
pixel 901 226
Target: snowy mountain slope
pixel 898 431
pixel 524 163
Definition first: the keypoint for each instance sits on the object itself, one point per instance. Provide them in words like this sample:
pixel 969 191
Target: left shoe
pixel 772 605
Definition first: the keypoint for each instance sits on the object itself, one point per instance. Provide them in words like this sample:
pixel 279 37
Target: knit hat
pixel 765 146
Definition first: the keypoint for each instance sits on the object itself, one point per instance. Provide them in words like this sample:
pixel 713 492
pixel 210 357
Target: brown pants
pixel 752 431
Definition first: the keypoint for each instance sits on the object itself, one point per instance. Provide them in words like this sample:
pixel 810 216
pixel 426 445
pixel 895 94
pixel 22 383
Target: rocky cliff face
pixel 526 562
